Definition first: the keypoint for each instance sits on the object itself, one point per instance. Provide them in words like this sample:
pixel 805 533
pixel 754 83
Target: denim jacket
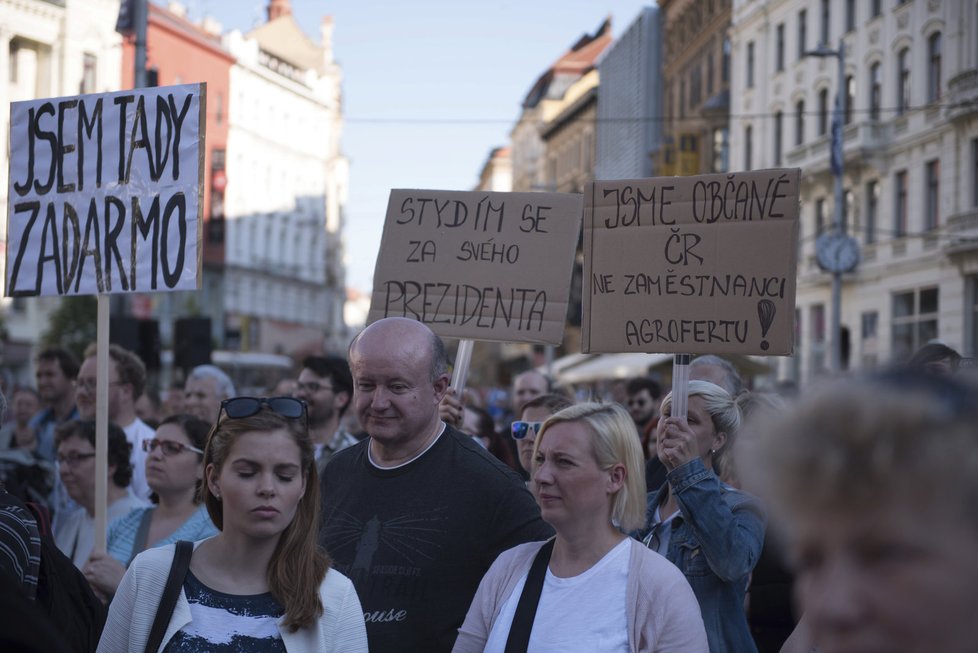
pixel 715 540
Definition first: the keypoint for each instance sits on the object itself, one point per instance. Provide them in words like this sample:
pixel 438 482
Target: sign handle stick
pixel 680 385
pixel 101 423
pixel 462 360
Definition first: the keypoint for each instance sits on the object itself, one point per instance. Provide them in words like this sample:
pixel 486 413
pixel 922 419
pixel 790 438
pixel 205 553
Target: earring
pixel 217 495
pixel 713 452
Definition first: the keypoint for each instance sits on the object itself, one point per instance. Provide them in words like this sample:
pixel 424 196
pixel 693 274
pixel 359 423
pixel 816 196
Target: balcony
pixel 861 141
pixel 962 233
pixel 962 95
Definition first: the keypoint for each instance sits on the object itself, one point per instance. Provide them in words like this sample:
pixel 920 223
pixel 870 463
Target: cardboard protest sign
pixel 481 265
pixel 105 193
pixel 692 265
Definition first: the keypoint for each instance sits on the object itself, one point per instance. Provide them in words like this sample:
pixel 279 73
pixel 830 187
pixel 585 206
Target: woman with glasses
pixel 75 443
pixel 262 583
pixel 174 471
pixel 590 588
pixel 531 418
pixel 710 530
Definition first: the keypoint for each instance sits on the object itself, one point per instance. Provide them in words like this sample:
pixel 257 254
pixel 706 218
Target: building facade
pixel 910 164
pixel 287 186
pixel 48 48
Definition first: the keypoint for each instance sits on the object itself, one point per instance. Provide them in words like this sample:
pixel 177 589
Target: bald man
pixel 416 512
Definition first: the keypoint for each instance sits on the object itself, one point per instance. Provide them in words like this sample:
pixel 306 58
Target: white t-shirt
pixel 136 433
pixel 583 613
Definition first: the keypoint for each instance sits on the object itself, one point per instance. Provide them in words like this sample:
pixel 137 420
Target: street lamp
pixel 836 252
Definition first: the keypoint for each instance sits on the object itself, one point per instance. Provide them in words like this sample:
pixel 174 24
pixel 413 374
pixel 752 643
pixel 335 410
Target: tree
pixel 73 325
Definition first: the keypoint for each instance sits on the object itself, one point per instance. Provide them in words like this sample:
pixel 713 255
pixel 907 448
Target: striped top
pixel 20 543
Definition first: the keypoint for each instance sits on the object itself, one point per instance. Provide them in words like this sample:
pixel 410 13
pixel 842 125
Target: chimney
pixel 326 35
pixel 278 8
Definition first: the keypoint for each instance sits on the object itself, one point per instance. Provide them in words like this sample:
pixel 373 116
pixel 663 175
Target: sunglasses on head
pixel 241 407
pixel 521 429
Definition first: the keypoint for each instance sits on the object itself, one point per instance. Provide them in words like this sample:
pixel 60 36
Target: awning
pixel 612 366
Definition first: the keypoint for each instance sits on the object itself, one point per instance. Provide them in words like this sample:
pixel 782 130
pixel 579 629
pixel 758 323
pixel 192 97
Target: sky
pixel 429 87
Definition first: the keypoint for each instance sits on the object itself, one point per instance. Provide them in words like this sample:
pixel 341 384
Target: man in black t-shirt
pixel 417 512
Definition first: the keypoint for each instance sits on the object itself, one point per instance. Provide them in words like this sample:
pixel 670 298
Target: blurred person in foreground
pixel 602 590
pixel 262 583
pixel 174 471
pixel 874 484
pixel 935 358
pixel 709 529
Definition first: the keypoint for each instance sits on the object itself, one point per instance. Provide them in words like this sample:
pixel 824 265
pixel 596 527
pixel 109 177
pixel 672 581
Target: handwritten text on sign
pixel 691 264
pixel 488 266
pixel 104 193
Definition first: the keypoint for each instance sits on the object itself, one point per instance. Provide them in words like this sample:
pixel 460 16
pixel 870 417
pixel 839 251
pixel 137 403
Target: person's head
pixel 935 358
pixel 718 371
pixel 172 401
pixel 873 485
pixel 478 423
pixel 55 369
pixel 127 379
pixel 529 385
pixel 75 444
pixel 148 407
pixel 714 417
pixel 24 404
pixel 643 399
pixel 173 467
pixel 588 462
pixel 260 484
pixel 206 387
pixel 400 374
pixel 326 385
pixel 534 413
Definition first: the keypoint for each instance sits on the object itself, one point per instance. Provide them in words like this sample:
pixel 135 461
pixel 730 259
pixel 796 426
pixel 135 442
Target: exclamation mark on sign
pixel 765 313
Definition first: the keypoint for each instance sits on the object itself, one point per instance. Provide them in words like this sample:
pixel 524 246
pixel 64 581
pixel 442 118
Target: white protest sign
pixel 695 265
pixel 105 193
pixel 481 265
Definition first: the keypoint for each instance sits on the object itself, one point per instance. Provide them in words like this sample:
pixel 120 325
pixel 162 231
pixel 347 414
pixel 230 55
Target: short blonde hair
pixel 614 440
pixel 724 412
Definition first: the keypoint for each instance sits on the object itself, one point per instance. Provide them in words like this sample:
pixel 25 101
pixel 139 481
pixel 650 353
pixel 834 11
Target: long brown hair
pixel 298 565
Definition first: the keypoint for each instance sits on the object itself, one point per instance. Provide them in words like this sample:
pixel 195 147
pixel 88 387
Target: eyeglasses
pixel 88 385
pixel 521 429
pixel 169 447
pixel 241 407
pixel 312 387
pixel 72 459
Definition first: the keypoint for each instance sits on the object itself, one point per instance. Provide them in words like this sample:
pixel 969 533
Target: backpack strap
pixel 142 534
pixel 178 571
pixel 526 609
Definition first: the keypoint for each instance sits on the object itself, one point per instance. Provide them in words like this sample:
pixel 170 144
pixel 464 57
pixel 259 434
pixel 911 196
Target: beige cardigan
pixel 131 613
pixel 662 612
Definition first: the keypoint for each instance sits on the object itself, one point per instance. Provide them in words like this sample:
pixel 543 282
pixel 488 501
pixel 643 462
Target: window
pixel 932 211
pixel 750 64
pixel 802 32
pixel 819 216
pixel 709 73
pixel 89 66
pixel 682 97
pixel 903 81
pixel 823 112
pixel 800 122
pixel 817 329
pixel 872 209
pixel 914 321
pixel 876 8
pixel 850 99
pixel 850 15
pixel 779 54
pixel 972 284
pixel 869 330
pixel 725 68
pixel 219 109
pixel 748 146
pixel 900 204
pixel 778 122
pixel 849 208
pixel 695 86
pixel 875 92
pixel 934 68
pixel 721 150
pixel 974 172
pixel 12 60
pixel 825 33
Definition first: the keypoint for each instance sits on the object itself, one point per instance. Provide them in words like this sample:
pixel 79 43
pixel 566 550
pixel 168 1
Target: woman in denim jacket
pixel 708 529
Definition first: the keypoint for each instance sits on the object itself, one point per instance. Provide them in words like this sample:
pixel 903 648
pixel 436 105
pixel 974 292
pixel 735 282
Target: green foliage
pixel 73 325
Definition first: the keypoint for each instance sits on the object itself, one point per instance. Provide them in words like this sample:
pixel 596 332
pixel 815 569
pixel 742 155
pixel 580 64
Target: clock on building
pixel 837 252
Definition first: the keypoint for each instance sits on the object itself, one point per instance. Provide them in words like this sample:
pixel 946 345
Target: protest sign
pixel 692 265
pixel 481 265
pixel 104 193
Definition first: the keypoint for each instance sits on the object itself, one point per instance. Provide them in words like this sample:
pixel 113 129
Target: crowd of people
pixel 363 505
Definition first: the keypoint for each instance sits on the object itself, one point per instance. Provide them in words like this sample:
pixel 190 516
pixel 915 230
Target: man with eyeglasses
pixel 127 380
pixel 417 512
pixel 325 384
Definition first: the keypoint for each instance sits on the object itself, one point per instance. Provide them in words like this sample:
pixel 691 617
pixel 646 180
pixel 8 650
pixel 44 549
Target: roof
pixel 284 39
pixel 578 60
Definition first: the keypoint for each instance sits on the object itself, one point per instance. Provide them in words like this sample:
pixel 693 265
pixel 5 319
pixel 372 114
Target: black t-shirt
pixel 416 540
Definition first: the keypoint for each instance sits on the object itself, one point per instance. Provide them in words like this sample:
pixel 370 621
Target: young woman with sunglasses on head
pixel 532 415
pixel 262 583
pixel 174 472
